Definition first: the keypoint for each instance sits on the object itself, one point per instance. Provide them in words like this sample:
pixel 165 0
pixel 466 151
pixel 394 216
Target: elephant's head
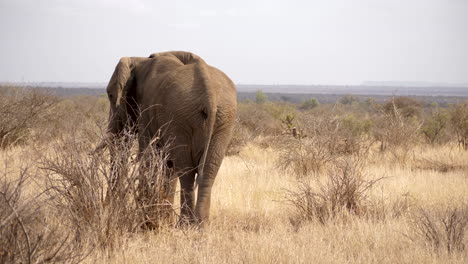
pixel 120 91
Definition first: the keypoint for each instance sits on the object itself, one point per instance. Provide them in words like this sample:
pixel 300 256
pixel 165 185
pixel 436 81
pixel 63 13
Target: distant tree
pixel 348 99
pixel 285 98
pixel 309 104
pixel 459 121
pixel 434 125
pixel 407 107
pixel 260 98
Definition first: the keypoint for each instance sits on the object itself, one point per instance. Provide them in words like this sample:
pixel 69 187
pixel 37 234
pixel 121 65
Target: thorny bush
pixel 104 198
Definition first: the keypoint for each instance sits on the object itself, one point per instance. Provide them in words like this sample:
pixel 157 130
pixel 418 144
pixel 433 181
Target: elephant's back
pixel 183 73
pixel 181 92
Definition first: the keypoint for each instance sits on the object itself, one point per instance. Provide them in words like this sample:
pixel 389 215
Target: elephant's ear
pixel 118 90
pixel 120 81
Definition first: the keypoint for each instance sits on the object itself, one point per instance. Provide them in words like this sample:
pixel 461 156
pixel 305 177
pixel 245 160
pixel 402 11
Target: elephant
pixel 195 104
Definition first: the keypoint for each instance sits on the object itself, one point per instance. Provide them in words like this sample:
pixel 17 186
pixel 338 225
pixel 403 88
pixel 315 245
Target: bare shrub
pixel 327 138
pixel 311 154
pixel 397 129
pixel 344 189
pixel 259 119
pixel 104 199
pixel 28 234
pixel 402 205
pixel 21 110
pixel 240 137
pixel 305 156
pixel 260 123
pixel 440 229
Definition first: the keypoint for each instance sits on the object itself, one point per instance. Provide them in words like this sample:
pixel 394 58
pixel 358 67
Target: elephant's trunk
pixel 118 119
pixel 114 127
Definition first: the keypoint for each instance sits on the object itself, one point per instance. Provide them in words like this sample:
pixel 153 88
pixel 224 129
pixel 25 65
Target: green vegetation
pixel 349 99
pixel 435 124
pixel 309 104
pixel 459 121
pixel 260 98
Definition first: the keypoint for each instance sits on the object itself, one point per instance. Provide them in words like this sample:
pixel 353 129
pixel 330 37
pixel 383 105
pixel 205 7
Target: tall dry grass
pixel 251 219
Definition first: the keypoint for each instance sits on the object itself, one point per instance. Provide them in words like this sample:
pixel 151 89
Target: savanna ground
pixel 351 182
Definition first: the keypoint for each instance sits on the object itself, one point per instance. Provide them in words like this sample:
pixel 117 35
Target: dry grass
pixel 251 222
pixel 367 205
pixel 28 232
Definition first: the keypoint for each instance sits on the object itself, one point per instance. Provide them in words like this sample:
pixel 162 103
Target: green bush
pixel 348 99
pixel 309 104
pixel 260 98
pixel 356 127
pixel 433 126
pixel 459 122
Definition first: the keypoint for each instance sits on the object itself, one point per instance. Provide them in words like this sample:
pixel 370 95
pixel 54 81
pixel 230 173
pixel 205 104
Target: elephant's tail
pixel 208 111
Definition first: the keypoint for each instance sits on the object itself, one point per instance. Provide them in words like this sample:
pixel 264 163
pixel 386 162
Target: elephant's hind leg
pixel 187 198
pixel 216 152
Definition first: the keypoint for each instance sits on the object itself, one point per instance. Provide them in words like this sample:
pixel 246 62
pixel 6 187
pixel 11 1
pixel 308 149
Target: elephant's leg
pixel 155 187
pixel 181 158
pixel 187 197
pixel 215 155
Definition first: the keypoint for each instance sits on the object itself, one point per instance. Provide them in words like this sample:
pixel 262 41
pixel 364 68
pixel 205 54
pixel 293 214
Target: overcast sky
pixel 254 42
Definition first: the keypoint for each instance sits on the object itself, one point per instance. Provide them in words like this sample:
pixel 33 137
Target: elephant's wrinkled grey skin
pixel 194 103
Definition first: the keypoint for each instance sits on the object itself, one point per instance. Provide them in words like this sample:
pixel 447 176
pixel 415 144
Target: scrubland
pixel 351 182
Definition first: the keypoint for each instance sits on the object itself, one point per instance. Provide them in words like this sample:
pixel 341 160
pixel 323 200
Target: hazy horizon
pixel 320 42
pixel 72 84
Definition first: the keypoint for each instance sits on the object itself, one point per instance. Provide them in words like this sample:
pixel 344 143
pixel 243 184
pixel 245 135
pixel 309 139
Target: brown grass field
pixel 404 205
